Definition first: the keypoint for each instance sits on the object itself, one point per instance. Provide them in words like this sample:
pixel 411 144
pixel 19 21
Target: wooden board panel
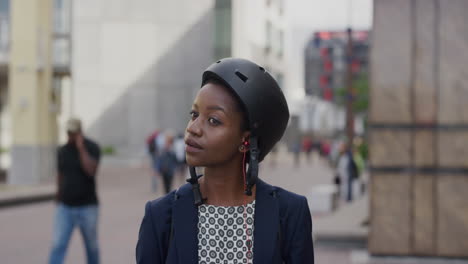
pixel 452 232
pixel 453 62
pixel 424 148
pixel 423 225
pixel 390 62
pixel 453 149
pixel 389 148
pixel 425 104
pixel 390 214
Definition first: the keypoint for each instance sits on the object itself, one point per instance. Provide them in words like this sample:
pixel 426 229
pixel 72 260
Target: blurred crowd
pixel 167 155
pixel 348 161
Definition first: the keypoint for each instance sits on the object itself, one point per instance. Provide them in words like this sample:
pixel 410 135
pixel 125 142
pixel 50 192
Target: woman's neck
pixel 224 185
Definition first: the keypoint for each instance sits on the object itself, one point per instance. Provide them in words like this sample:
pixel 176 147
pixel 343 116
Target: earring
pixel 241 148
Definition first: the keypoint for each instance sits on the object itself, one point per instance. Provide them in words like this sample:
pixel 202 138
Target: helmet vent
pixel 241 76
pixel 218 61
pixel 262 69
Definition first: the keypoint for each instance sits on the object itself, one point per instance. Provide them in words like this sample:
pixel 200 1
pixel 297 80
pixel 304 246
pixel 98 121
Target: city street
pixel 377 87
pixel 124 188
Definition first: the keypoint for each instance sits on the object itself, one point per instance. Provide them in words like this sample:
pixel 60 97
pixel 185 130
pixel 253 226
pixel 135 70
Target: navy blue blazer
pixel 282 228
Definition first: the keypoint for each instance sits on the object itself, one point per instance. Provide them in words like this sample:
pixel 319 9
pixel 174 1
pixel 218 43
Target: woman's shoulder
pixel 155 211
pixel 284 196
pixel 291 205
pixel 161 205
pixel 164 203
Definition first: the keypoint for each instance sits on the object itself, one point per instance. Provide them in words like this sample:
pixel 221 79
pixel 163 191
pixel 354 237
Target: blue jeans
pixel 154 176
pixel 66 218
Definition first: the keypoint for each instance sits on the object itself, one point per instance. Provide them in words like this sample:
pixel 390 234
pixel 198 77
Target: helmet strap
pixel 252 172
pixel 193 180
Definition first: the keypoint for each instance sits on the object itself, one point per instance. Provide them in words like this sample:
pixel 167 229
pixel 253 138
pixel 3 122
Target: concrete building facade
pixel 124 67
pixel 127 68
pixel 34 52
pixel 137 66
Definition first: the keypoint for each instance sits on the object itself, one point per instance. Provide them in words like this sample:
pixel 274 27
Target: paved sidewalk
pixel 12 195
pixel 333 255
pixel 15 195
pixel 123 189
pixel 345 226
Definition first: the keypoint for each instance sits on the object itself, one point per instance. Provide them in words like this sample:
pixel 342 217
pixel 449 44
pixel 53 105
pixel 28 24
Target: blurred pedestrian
pixel 77 201
pixel 359 184
pixel 307 146
pixel 168 162
pixel 179 150
pixel 325 148
pixel 296 150
pixel 347 172
pixel 335 152
pixel 153 151
pixel 212 218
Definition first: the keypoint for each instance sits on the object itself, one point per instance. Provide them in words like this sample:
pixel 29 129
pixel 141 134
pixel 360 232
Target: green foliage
pixel 363 150
pixel 361 98
pixel 361 85
pixel 108 150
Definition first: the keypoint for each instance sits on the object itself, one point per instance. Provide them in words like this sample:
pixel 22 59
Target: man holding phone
pixel 77 202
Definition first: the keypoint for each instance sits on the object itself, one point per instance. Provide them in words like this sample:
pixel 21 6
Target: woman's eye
pixel 213 121
pixel 193 114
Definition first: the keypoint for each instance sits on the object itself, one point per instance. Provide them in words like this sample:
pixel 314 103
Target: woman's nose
pixel 193 127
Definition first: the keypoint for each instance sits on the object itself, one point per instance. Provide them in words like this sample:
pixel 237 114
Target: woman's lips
pixel 192 146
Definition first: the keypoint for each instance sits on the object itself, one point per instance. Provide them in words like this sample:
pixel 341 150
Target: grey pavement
pixel 346 225
pixel 332 255
pixel 124 188
pixel 14 195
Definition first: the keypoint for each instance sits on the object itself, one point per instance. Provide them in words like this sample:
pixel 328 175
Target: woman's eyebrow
pixel 215 107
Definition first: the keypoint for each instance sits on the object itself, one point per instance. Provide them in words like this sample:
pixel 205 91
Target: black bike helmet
pixel 264 102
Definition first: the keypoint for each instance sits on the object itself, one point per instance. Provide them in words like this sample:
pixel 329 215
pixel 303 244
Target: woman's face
pixel 213 134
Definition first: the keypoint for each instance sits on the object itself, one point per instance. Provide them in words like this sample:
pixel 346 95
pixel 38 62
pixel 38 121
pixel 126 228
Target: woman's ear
pixel 245 137
pixel 244 147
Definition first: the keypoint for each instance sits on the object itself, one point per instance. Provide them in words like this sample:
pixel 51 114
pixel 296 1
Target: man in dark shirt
pixel 77 202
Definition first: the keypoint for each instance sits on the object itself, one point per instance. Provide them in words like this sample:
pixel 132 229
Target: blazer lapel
pixel 266 223
pixel 185 217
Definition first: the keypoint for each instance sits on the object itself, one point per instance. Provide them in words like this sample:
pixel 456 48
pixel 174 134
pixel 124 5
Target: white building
pixel 137 65
pixel 259 33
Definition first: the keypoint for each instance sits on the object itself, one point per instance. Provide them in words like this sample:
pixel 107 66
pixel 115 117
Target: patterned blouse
pixel 222 235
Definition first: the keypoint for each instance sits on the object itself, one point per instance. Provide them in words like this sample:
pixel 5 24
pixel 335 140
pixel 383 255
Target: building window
pixel 4 7
pixel 280 43
pixel 62 17
pixel 268 37
pixel 223 29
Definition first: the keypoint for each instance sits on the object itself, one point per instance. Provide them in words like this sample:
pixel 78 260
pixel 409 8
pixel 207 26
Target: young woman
pixel 228 215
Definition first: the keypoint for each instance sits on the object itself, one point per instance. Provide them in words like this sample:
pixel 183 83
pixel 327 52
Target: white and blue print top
pixel 222 236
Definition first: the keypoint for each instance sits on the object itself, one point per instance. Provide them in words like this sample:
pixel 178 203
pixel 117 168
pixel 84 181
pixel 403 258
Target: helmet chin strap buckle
pixel 251 177
pixel 252 172
pixel 193 180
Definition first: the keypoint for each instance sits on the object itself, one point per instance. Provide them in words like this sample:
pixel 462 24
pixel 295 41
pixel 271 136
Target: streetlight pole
pixel 349 90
